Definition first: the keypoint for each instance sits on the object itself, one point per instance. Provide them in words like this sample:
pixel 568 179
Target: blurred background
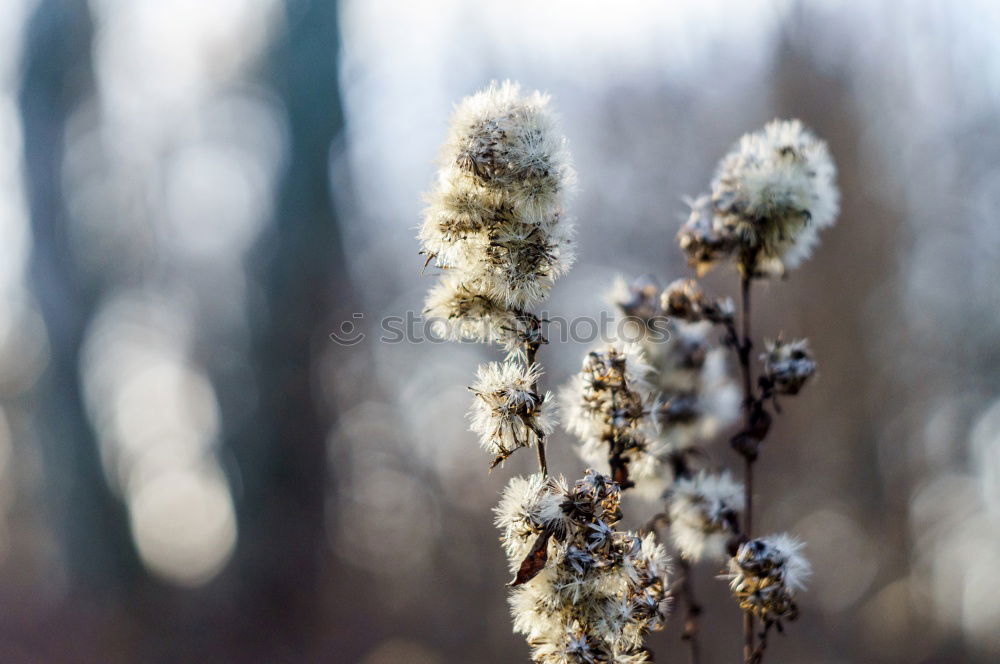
pixel 194 195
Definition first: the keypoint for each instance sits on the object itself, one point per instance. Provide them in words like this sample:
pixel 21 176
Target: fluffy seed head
pixel 507 412
pixel 703 511
pixel 765 574
pixel 639 299
pixel 601 590
pixel 775 190
pixel 528 506
pixel 460 312
pixel 703 237
pixel 684 300
pixel 516 264
pixel 494 221
pixel 607 408
pixel 692 392
pixel 787 365
pixel 698 395
pixel 509 141
pixel 770 196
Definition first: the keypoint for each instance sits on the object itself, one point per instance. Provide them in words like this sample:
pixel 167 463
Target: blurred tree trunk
pixel 90 522
pixel 282 456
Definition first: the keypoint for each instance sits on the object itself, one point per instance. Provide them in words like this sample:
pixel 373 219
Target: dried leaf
pixel 535 561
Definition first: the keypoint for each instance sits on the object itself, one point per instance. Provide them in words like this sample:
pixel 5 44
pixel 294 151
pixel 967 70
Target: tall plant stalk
pixel 584 591
pixel 749 456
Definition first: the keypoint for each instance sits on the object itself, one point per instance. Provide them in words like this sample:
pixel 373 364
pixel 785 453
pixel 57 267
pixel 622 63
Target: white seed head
pixel 765 575
pixel 698 395
pixel 494 221
pixel 639 299
pixel 684 300
pixel 703 511
pixel 694 393
pixel 601 590
pixel 703 237
pixel 510 141
pixel 774 191
pixel 607 408
pixel 515 264
pixel 507 412
pixel 461 313
pixel 788 365
pixel 518 513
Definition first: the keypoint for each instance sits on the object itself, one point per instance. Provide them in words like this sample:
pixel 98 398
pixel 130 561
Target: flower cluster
pixel 640 416
pixel 765 574
pixel 494 221
pixel 585 592
pixel 698 397
pixel 770 196
pixel 704 513
pixel 695 395
pixel 594 591
pixel 787 366
pixel 607 407
pixel 639 301
pixel 507 412
pixel 684 300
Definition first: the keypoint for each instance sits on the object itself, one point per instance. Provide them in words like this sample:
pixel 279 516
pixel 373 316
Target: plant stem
pixel 692 610
pixel 616 460
pixel 745 343
pixel 743 346
pixel 758 654
pixel 531 345
pixel 748 496
pixel 747 637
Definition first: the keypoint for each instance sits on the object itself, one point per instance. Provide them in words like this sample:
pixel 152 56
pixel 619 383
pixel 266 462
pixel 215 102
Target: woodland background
pixel 193 195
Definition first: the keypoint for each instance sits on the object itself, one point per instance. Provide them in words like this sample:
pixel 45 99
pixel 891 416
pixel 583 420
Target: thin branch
pixel 748 496
pixel 531 343
pixel 616 458
pixel 745 343
pixel 692 611
pixel 758 653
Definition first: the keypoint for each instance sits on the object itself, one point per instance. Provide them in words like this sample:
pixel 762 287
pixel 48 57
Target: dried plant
pixel 770 196
pixel 585 590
